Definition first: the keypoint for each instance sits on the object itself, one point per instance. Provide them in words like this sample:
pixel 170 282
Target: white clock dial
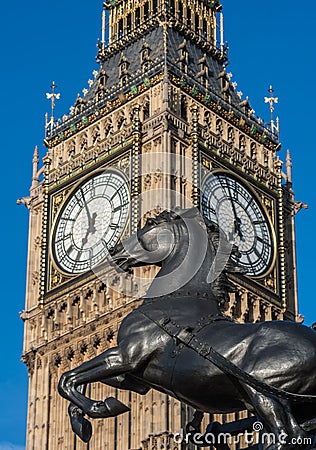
pixel 227 202
pixel 91 221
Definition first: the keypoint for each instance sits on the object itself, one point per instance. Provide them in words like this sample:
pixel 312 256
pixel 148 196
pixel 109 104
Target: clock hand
pixel 238 229
pixel 91 229
pixel 85 239
pixel 237 221
pixel 91 219
pixel 86 208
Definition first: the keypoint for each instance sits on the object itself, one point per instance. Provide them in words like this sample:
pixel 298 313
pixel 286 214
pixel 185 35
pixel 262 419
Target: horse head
pixel 192 252
pixel 152 244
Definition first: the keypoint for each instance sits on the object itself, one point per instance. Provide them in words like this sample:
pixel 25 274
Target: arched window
pixel 172 6
pixel 146 111
pixel 102 78
pixel 197 23
pixel 230 135
pixel 207 119
pixel 137 17
pixel 189 17
pixel 155 6
pixel 96 136
pixel 219 127
pixel 120 28
pixel 79 105
pixel 204 29
pixel 108 129
pixel 144 55
pixel 265 157
pixel 242 142
pixel 183 107
pixel 180 11
pixel 146 10
pixel 129 22
pixel 84 142
pixel 100 95
pixel 146 66
pixel 124 79
pixel 71 149
pixel 121 122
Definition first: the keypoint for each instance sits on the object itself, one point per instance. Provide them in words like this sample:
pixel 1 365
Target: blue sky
pixel 270 42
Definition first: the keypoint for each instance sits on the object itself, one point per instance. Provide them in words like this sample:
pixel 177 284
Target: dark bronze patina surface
pixel 181 344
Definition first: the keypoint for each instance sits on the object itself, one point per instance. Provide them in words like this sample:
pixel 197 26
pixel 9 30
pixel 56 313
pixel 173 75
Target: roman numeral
pixel 262 240
pixel 119 207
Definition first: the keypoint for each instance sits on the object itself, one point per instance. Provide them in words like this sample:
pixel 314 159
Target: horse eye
pixel 150 222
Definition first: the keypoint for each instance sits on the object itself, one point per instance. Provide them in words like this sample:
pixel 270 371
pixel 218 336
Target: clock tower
pixel 160 126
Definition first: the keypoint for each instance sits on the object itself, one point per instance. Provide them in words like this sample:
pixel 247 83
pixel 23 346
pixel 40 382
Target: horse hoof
pixel 115 407
pixel 111 407
pixel 80 426
pixel 309 425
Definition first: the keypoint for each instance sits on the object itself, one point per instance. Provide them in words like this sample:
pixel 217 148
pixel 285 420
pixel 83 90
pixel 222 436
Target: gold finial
pixel 52 96
pixel 275 125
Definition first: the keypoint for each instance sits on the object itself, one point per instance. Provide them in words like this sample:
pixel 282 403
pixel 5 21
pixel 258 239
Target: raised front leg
pixel 80 426
pixel 110 364
pixel 128 384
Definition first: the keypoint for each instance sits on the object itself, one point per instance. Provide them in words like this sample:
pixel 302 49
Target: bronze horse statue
pixel 220 366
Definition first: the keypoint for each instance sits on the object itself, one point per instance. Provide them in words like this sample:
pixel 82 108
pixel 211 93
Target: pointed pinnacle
pixel 35 154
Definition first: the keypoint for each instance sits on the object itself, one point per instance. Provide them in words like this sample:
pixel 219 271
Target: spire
pixel 165 88
pixel 102 42
pixel 103 28
pixel 297 205
pixel 35 167
pixel 222 44
pixel 289 167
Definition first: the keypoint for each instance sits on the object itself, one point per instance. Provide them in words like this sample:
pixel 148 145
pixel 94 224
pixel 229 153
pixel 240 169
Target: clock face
pixel 227 202
pixel 90 222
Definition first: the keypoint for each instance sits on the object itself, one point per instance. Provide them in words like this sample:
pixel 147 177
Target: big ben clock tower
pixel 160 126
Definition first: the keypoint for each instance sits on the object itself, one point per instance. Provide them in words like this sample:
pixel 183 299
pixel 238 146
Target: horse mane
pixel 221 286
pixel 165 216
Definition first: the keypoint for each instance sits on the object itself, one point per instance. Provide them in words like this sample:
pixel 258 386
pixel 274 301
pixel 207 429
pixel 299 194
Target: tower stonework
pixel 162 88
